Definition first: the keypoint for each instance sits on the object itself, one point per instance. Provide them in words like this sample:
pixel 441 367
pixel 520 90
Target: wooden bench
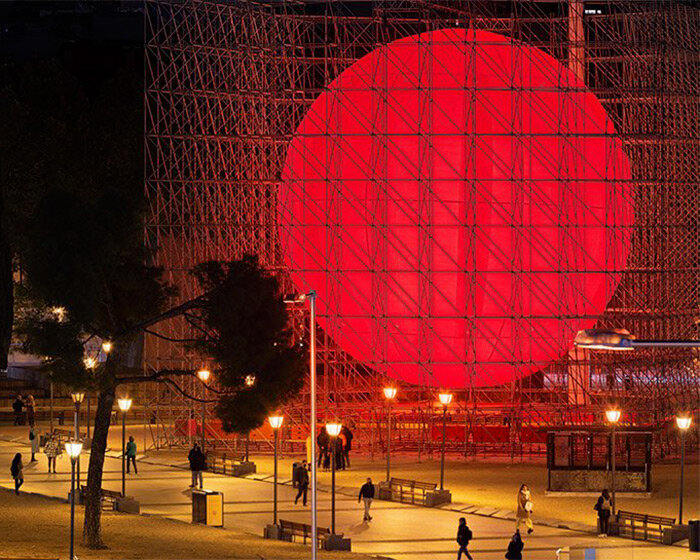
pixel 411 489
pixel 108 497
pixel 641 526
pixel 233 465
pixel 294 529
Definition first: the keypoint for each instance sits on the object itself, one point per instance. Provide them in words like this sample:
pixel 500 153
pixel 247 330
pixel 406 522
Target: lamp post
pixel 77 397
pixel 73 448
pixel 203 375
pixel 613 416
pixel 124 406
pixel 333 429
pixel 389 395
pixel 90 364
pixel 311 295
pixel 445 399
pixel 275 424
pixel 683 423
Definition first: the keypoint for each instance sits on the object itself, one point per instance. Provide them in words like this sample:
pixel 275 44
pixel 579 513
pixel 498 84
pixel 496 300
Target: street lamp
pixel 333 429
pixel 275 424
pixel 613 416
pixel 107 346
pixel 445 400
pixel 73 448
pixel 77 397
pixel 389 395
pixel 203 375
pixel 124 406
pixel 683 422
pixel 311 295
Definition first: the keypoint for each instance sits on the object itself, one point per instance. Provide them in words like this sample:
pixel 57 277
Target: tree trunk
pixel 92 531
pixel 6 291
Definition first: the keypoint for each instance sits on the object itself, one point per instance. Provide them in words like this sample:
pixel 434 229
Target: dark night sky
pixel 94 40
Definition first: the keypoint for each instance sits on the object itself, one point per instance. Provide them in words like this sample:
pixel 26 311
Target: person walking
pixel 366 495
pixel 464 535
pixel 323 457
pixel 131 455
pixel 347 445
pixel 339 444
pixel 17 472
pixel 302 478
pixel 603 506
pixel 524 512
pixel 17 407
pixel 34 443
pixel 197 465
pixel 515 547
pixel 52 449
pixel 31 406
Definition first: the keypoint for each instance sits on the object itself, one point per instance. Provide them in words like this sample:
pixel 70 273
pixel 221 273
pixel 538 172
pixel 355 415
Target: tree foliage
pixel 241 323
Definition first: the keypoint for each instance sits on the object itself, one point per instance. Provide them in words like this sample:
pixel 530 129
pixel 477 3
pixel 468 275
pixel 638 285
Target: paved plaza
pixel 397 531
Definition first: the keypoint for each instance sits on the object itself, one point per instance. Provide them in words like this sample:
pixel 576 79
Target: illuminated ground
pixel 397 531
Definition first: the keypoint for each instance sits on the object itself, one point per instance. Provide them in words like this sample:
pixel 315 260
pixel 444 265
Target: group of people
pixel 21 405
pixel 341 445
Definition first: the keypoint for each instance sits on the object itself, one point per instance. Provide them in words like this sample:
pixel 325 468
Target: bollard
pixel 694 536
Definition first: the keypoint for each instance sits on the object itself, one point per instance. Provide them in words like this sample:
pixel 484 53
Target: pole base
pixel 127 505
pixel 336 542
pixel 276 533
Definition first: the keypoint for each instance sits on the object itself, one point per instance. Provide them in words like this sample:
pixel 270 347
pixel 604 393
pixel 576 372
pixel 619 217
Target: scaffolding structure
pixel 234 128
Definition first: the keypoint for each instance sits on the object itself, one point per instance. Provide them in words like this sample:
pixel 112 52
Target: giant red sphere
pixel 462 206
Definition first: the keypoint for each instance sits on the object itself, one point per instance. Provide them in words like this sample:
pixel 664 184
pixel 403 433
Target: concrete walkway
pixel 397 531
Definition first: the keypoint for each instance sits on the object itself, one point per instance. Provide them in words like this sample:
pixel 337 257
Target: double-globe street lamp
pixel 73 448
pixel 683 422
pixel 124 405
pixel 613 416
pixel 203 375
pixel 389 395
pixel 445 400
pixel 333 429
pixel 275 423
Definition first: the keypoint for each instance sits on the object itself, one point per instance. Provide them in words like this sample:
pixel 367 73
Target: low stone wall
pixel 595 481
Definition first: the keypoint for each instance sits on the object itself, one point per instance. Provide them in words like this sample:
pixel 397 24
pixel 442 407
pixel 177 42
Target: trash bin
pixel 694 536
pixel 208 507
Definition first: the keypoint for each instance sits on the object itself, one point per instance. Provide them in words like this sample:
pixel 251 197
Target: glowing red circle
pixel 461 204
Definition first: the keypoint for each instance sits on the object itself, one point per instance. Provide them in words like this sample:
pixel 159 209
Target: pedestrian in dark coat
pixel 198 464
pixel 31 406
pixel 302 482
pixel 604 507
pixel 515 547
pixel 366 495
pixel 17 407
pixel 464 535
pixel 17 472
pixel 323 457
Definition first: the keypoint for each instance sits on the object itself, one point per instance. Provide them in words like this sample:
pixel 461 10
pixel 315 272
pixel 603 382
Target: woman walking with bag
pixel 603 506
pixel 524 512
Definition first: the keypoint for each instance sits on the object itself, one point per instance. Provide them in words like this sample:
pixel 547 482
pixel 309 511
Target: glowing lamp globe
pixel 276 422
pixel 124 404
pixel 333 428
pixel 389 393
pixel 683 422
pixel 203 375
pixel 73 448
pixel 462 205
pixel 445 398
pixel 613 415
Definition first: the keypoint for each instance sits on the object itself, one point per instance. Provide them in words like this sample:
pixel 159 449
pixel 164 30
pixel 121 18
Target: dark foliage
pixel 242 324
